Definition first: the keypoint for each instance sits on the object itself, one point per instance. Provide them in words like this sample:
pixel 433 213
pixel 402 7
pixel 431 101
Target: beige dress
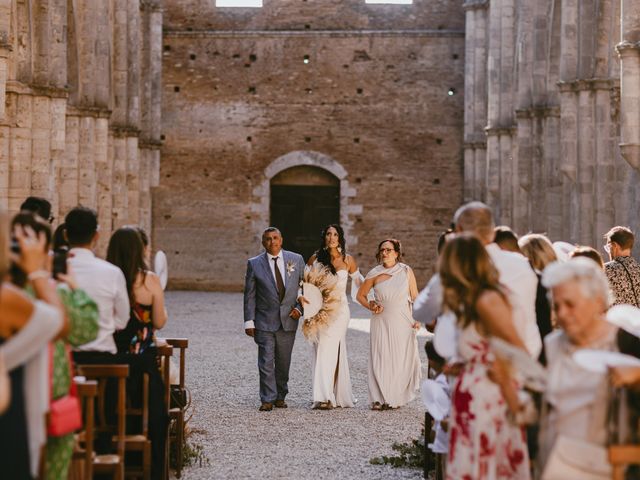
pixel 394 361
pixel 576 399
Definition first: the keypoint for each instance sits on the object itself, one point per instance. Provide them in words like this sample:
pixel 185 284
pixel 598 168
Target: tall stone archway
pixel 261 206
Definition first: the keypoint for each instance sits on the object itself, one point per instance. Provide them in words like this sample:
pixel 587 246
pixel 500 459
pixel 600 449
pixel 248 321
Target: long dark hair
pixel 126 252
pixel 322 254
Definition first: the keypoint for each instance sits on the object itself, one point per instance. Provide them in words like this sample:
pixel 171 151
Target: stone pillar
pixel 475 111
pixel 629 51
pixel 500 109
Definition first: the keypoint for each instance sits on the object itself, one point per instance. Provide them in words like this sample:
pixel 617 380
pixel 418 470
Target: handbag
pixel 64 414
pixel 5 386
pixel 572 458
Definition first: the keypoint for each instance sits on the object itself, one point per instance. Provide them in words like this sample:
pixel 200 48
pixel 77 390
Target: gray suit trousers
pixel 274 359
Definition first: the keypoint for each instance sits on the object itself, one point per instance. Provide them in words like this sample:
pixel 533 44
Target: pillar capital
pixel 628 49
pixel 631 153
pixel 475 5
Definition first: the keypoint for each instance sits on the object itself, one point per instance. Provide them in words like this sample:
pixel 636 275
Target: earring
pixel 339 249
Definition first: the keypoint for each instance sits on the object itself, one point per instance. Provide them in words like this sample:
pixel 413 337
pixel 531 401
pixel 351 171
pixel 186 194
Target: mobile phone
pixel 60 261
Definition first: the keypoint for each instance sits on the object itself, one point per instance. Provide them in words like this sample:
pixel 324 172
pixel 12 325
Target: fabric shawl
pixel 381 269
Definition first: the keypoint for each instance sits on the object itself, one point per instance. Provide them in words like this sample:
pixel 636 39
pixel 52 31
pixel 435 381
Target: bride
pixel 331 381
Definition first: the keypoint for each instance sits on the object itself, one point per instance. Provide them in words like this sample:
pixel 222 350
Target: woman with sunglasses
pixel 394 361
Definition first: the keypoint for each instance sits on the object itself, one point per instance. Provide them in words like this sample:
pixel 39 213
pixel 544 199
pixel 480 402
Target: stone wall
pixel 372 94
pixel 549 143
pixel 80 106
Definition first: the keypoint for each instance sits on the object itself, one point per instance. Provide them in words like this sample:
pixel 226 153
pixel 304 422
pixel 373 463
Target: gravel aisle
pixel 297 442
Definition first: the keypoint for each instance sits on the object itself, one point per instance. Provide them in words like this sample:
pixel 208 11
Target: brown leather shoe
pixel 281 404
pixel 266 407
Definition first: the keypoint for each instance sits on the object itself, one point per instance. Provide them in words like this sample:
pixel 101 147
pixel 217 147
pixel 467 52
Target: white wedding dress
pixel 331 380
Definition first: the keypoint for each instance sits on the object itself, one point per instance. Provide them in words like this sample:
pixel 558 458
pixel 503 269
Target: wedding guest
pixel 589 252
pixel 428 305
pixel 104 282
pixel 39 206
pixel 539 250
pixel 82 314
pixel 623 271
pixel 59 241
pixel 515 272
pixel 137 340
pixel 483 442
pixel 394 360
pixel 506 239
pixel 576 401
pixel 26 327
pixel 331 379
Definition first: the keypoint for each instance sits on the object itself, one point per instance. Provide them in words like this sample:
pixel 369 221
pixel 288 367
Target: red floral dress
pixel 483 444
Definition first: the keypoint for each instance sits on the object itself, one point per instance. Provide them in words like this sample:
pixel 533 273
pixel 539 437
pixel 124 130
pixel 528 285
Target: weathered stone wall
pixel 372 106
pixel 548 141
pixel 73 126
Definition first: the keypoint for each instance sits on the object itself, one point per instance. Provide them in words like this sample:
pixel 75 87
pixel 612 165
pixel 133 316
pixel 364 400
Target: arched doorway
pixel 304 199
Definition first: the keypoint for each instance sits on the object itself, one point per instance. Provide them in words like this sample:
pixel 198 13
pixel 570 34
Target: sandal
pixel 376 406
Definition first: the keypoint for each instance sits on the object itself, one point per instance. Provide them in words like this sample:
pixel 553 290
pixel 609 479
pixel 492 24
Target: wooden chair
pixel 622 455
pixel 140 442
pixel 109 463
pixel 177 413
pixel 429 463
pixel 165 352
pixel 82 460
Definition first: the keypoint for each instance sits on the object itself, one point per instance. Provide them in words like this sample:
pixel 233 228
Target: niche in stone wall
pixel 304 199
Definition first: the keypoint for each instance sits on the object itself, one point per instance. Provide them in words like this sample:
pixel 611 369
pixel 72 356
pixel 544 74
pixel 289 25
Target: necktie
pixel 279 282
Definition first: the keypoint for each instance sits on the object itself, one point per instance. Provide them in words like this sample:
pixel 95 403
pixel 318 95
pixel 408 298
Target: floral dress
pixel 483 444
pixel 138 336
pixel 82 312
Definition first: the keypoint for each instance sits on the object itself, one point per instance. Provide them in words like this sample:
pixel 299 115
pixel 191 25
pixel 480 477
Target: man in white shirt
pixel 102 281
pixel 515 272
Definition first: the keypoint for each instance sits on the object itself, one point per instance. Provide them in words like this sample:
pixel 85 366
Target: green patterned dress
pixel 82 312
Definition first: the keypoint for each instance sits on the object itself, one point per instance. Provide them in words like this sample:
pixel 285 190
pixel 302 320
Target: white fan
pixel 313 295
pixel 161 268
pixel 626 317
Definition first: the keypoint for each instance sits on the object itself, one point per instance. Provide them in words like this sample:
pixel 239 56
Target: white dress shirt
pixel 428 304
pixel 518 277
pixel 106 285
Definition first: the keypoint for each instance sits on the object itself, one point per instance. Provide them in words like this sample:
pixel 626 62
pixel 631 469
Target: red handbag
pixel 64 413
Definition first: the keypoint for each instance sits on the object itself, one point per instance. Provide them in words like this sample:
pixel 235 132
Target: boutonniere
pixel 291 267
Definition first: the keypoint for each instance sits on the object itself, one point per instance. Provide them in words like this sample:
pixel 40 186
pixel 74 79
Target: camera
pixel 60 261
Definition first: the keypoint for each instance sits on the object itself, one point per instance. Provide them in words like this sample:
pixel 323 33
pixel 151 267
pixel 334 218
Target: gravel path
pixel 298 442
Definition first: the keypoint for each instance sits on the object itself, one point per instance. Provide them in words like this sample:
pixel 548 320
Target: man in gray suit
pixel 271 313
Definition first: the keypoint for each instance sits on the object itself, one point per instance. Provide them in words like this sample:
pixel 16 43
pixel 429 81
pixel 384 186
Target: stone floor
pixel 298 442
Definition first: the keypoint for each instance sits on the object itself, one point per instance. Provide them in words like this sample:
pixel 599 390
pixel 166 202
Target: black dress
pixel 14 442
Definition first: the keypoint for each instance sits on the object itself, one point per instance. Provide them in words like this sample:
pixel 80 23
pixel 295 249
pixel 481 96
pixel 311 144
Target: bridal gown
pixel 331 380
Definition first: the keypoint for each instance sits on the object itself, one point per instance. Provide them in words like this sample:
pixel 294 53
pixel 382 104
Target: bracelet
pixel 38 274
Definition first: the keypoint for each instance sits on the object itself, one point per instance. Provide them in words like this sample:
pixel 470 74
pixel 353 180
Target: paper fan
pixel 599 361
pixel 161 268
pixel 626 317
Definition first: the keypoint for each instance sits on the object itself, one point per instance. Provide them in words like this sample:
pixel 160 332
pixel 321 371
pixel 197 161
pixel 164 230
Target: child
pixel 436 397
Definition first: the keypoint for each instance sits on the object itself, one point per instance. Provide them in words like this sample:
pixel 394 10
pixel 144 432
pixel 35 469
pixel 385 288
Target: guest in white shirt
pixel 515 272
pixel 103 281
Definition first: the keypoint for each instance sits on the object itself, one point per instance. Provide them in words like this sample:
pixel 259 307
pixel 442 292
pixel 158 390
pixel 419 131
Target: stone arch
pixel 262 192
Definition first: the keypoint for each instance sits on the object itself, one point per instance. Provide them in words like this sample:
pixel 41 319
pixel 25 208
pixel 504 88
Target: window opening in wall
pixel 239 3
pixel 393 2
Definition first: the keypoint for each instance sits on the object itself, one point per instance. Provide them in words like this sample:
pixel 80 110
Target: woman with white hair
pixel 575 404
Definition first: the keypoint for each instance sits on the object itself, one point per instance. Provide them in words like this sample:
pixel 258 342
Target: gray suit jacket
pixel 261 301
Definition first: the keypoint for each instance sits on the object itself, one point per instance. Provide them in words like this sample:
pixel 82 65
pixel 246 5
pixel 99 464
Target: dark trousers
pixel 274 359
pixel 158 417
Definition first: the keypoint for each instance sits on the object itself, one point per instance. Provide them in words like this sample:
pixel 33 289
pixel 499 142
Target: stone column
pixel 475 112
pixel 500 109
pixel 629 51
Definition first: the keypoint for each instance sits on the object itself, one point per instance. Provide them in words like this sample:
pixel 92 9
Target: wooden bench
pixel 82 459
